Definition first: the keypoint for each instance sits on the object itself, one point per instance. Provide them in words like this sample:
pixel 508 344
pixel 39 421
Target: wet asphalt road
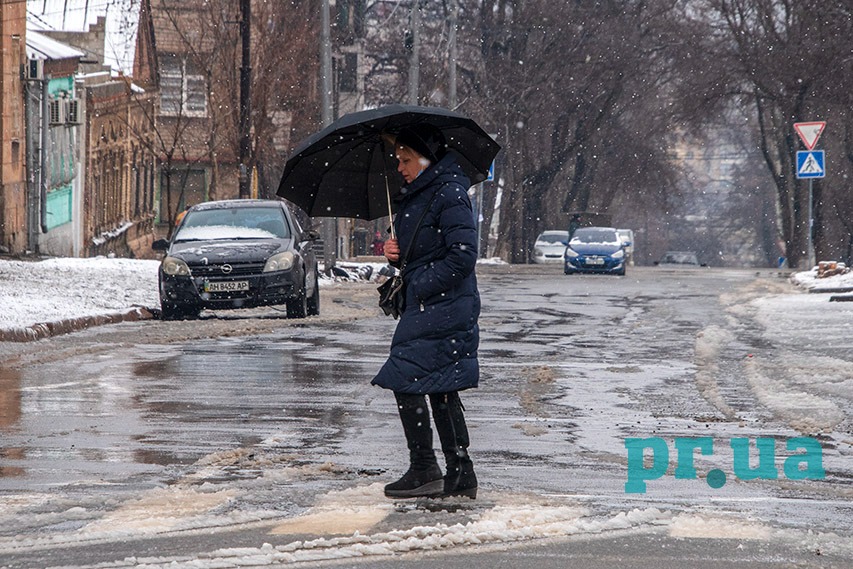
pixel 229 437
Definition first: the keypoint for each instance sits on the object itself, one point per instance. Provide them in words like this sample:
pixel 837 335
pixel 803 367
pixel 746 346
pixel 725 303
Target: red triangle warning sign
pixel 809 132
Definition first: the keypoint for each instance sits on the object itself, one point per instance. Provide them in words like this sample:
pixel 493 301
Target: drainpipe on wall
pixel 33 105
pixel 80 178
pixel 45 175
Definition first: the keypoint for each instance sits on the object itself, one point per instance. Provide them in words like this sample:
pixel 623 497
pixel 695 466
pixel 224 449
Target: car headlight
pixel 279 262
pixel 571 253
pixel 618 254
pixel 175 267
pixel 538 252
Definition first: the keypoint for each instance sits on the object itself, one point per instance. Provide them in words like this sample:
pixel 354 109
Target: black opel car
pixel 238 254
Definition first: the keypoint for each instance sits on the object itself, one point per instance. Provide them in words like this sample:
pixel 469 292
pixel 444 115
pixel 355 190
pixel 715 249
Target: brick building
pixel 13 188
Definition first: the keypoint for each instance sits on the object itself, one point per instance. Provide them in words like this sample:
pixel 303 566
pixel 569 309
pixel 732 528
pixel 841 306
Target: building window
pixel 16 153
pixel 348 78
pixel 183 88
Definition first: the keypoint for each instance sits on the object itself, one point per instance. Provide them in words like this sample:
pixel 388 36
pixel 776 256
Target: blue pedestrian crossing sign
pixel 810 164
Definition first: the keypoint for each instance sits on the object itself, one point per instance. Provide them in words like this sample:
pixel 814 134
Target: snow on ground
pixel 349 518
pixel 511 520
pixel 809 280
pixel 61 288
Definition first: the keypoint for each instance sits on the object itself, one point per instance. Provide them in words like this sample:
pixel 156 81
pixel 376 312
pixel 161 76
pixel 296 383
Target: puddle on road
pixel 12 454
pixel 10 398
pixel 10 414
pixel 155 368
pixel 159 457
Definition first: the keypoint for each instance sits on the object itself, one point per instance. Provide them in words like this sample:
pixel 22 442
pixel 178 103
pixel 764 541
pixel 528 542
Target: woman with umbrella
pixel 434 348
pixel 343 171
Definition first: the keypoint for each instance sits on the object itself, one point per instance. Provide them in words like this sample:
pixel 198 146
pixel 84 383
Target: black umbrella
pixel 348 169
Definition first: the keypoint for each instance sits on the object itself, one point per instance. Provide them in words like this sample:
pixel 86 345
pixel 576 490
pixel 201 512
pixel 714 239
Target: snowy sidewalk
pixel 55 296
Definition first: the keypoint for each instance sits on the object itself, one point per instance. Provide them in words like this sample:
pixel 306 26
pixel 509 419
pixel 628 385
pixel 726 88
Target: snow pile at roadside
pixel 499 523
pixel 511 521
pixel 809 280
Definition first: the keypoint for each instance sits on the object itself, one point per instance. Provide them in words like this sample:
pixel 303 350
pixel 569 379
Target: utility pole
pixel 330 225
pixel 326 66
pixel 451 40
pixel 245 101
pixel 414 61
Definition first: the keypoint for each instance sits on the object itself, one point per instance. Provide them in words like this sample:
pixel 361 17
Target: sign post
pixel 483 251
pixel 810 165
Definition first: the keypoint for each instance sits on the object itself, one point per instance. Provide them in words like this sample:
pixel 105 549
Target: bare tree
pixel 761 54
pixel 197 63
pixel 594 103
pixel 285 84
pixel 577 96
pixel 573 94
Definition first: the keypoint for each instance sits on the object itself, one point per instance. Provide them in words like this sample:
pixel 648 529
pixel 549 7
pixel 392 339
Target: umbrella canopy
pixel 348 168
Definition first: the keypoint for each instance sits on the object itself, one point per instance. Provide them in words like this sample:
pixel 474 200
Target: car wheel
pixel 621 273
pixel 172 311
pixel 314 301
pixel 169 311
pixel 298 307
pixel 191 312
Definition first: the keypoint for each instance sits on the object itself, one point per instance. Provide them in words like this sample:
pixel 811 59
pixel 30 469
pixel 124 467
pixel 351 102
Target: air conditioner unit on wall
pixel 72 111
pixel 56 111
pixel 35 69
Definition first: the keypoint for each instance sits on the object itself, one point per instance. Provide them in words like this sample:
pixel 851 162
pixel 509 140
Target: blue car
pixel 595 250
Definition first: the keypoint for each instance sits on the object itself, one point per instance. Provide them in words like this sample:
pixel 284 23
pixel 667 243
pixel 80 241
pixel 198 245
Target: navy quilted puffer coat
pixel 434 349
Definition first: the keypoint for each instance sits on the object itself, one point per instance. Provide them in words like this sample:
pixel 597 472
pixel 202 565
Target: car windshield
pixel 553 238
pixel 234 223
pixel 595 236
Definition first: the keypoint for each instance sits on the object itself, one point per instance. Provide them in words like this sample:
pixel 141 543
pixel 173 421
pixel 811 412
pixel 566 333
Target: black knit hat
pixel 424 139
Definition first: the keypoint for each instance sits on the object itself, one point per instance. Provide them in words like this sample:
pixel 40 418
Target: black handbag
pixel 392 296
pixel 392 293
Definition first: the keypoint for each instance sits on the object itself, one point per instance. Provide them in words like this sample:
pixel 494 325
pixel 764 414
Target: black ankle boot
pixel 417 483
pixel 447 411
pixel 424 476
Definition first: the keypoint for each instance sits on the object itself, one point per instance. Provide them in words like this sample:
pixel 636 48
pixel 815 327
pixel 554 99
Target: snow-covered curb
pixel 810 281
pixel 43 330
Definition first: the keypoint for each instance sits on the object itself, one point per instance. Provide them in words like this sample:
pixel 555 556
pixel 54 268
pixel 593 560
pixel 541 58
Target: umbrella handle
pixel 388 195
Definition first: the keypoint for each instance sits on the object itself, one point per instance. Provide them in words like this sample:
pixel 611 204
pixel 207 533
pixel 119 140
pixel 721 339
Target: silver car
pixel 550 246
